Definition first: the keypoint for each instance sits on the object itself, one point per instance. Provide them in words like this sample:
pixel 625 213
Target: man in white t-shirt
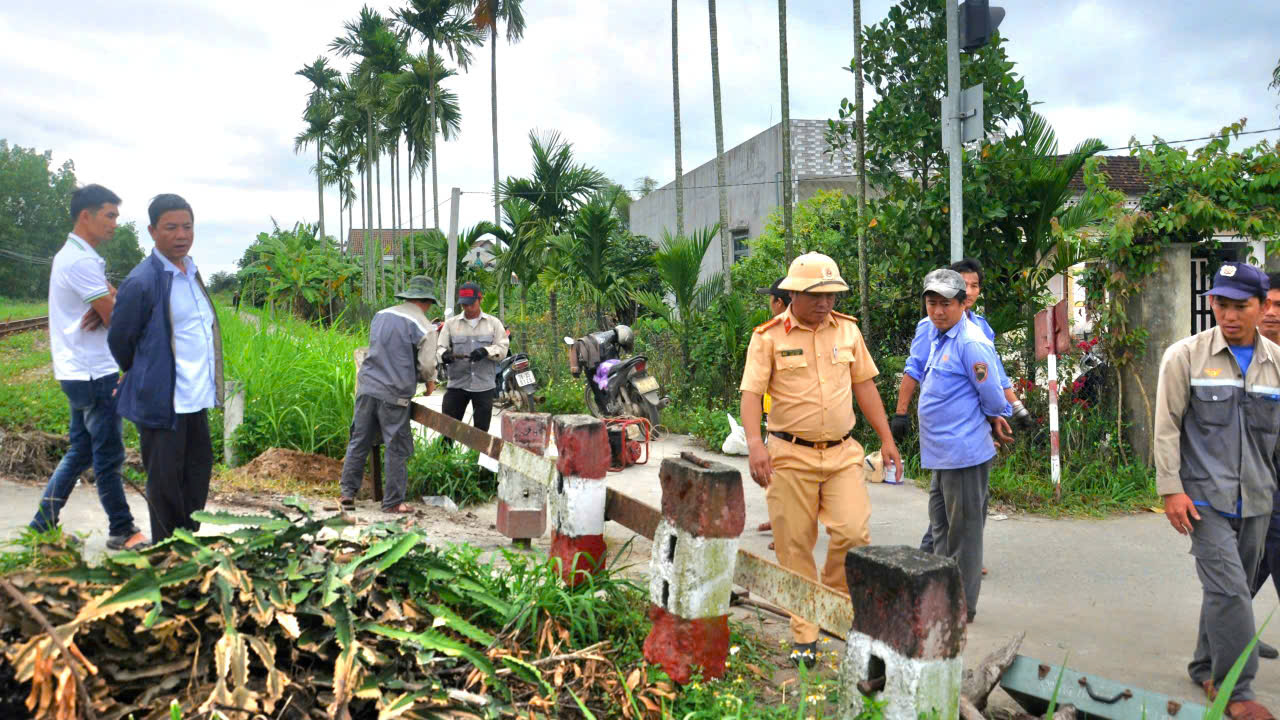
pixel 80 305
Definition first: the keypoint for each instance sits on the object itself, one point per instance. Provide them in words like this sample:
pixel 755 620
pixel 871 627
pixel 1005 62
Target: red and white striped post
pixel 695 549
pixel 1055 463
pixel 522 501
pixel 577 499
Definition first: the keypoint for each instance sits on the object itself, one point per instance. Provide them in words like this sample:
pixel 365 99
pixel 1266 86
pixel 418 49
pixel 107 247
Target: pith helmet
pixel 420 287
pixel 813 272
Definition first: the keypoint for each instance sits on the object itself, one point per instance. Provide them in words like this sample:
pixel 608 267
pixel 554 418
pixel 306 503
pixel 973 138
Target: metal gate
pixel 1201 281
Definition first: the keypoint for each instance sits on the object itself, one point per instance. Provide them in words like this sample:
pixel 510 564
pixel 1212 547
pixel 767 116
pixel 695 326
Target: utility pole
pixel 452 272
pixel 953 146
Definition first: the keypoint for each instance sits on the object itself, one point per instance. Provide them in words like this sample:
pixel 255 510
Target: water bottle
pixel 891 473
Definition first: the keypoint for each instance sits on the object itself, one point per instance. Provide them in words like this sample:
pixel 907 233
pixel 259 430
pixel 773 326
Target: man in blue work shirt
pixel 959 391
pixel 971 270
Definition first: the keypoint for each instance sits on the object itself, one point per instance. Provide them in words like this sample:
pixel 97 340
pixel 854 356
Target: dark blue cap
pixel 1240 281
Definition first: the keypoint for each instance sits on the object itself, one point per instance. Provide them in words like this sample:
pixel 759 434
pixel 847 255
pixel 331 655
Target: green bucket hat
pixel 420 287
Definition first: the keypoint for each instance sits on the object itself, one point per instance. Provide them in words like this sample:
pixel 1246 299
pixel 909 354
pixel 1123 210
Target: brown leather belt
pixel 806 443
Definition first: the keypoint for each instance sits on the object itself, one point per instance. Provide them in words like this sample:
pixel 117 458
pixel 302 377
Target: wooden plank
pixel 631 513
pixel 829 609
pixel 477 440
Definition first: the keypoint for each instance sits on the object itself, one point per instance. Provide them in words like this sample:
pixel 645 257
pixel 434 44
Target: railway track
pixel 17 326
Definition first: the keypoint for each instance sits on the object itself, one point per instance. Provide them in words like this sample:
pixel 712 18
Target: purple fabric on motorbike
pixel 602 373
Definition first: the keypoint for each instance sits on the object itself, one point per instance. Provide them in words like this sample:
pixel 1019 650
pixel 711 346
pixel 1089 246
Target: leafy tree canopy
pixel 123 253
pixel 35 217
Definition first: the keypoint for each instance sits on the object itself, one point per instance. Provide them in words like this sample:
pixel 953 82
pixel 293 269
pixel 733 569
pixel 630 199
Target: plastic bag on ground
pixel 736 443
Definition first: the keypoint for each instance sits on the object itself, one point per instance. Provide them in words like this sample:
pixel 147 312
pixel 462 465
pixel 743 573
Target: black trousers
pixel 1270 567
pixel 178 463
pixel 455 402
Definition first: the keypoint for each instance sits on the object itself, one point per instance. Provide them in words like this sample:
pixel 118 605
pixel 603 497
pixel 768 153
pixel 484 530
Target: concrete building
pixel 753 174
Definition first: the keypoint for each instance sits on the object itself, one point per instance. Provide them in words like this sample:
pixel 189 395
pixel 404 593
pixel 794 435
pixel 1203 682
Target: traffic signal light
pixel 978 21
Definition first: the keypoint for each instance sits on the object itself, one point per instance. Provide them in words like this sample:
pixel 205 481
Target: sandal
pixel 401 509
pixel 1248 710
pixel 347 502
pixel 134 541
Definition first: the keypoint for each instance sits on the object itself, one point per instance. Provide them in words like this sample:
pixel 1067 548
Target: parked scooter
pixel 615 387
pixel 516 384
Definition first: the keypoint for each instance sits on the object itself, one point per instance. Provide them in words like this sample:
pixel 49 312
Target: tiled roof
pixel 1123 172
pixel 355 239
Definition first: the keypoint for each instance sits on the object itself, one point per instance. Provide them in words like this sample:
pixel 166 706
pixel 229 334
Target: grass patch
pixel 30 399
pixel 450 470
pixel 11 309
pixel 53 549
pixel 299 384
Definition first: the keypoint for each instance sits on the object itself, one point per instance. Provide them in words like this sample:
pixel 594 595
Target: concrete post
pixel 522 501
pixel 908 633
pixel 577 500
pixel 232 416
pixel 694 551
pixel 1163 309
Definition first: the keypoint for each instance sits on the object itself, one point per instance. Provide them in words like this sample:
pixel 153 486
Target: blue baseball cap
pixel 1240 281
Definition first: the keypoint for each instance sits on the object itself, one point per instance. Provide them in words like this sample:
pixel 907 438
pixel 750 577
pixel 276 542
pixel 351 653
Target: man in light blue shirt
pixel 166 338
pixel 959 391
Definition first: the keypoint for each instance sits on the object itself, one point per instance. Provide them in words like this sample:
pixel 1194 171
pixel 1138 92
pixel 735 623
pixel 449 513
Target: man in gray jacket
pixel 471 346
pixel 402 352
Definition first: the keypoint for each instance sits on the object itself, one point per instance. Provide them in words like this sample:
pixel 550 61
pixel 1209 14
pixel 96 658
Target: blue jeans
pixel 95 442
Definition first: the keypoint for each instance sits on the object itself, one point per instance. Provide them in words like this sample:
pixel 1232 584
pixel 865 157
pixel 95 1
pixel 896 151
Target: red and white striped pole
pixel 577 499
pixel 1055 463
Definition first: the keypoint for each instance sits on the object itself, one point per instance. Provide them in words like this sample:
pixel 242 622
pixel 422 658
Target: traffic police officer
pixel 1217 420
pixel 471 345
pixel 814 363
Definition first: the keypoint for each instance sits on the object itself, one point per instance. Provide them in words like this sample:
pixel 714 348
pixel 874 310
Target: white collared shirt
pixel 78 277
pixel 194 387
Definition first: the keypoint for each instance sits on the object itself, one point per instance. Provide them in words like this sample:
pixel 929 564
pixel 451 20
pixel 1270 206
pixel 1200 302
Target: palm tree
pixel 379 50
pixel 587 255
pixel 678 263
pixel 443 23
pixel 319 114
pixel 556 189
pixel 863 288
pixel 675 103
pixel 787 234
pixel 487 15
pixel 338 164
pixel 726 252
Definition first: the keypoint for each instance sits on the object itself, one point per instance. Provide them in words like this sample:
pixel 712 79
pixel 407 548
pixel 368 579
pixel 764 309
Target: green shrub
pixel 562 394
pixel 436 468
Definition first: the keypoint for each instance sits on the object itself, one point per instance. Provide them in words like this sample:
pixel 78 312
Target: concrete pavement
pixel 1119 595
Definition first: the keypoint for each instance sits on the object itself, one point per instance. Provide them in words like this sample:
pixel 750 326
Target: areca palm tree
pixel 488 14
pixel 726 252
pixel 678 263
pixel 338 163
pixel 586 251
pixel 443 24
pixel 319 114
pixel 379 49
pixel 675 103
pixel 787 235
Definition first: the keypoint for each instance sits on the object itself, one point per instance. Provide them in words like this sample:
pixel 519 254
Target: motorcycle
pixel 516 383
pixel 615 387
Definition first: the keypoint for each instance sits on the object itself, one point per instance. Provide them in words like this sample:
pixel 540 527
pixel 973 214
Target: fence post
pixel 232 417
pixel 577 499
pixel 522 501
pixel 908 633
pixel 694 551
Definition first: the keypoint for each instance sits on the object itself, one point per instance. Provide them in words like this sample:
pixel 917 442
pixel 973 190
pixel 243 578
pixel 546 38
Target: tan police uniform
pixel 817 467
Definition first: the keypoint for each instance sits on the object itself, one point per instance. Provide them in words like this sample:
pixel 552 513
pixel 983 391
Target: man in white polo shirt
pixel 80 307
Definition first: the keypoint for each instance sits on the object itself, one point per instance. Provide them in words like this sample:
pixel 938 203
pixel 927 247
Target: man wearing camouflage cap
pixel 402 352
pixel 814 364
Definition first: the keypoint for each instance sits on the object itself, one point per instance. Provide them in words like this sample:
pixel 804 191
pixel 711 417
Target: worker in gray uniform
pixel 402 352
pixel 471 346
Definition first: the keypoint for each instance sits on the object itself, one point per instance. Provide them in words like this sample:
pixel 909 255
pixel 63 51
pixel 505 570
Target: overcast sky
pixel 199 97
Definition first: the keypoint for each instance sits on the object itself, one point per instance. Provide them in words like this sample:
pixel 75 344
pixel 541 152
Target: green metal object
pixel 1031 682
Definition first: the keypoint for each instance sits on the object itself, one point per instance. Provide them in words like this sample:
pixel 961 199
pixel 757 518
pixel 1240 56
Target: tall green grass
pixel 299 383
pixel 11 309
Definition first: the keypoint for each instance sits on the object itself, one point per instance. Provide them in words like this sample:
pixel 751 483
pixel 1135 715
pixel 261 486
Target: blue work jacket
pixel 959 390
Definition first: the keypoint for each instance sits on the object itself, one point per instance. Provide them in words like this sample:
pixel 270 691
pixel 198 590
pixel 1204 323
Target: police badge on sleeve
pixel 980 371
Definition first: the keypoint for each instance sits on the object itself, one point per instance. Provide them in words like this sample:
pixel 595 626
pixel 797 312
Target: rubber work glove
pixel 478 354
pixel 1021 417
pixel 447 357
pixel 899 426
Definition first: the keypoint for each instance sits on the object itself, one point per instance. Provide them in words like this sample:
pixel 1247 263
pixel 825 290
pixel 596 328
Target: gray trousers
pixel 374 419
pixel 1227 552
pixel 957 513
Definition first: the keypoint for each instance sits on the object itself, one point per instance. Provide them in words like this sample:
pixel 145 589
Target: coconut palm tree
pixel 675 104
pixel 442 23
pixel 319 114
pixel 726 251
pixel 487 15
pixel 787 235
